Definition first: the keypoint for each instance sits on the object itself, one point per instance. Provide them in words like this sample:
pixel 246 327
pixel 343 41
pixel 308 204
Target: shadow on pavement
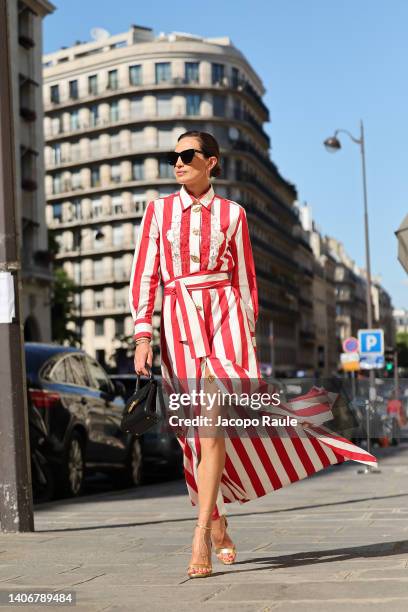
pixel 381 549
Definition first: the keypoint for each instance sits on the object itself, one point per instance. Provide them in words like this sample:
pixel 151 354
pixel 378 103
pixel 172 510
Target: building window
pixel 99 331
pixel 98 239
pixel 94 146
pixel 191 72
pixel 219 106
pixel 26 36
pixel 76 180
pixel 95 177
pixel 139 202
pixel 75 151
pixel 54 94
pixel 164 105
pixel 74 120
pixel 94 115
pixel 217 73
pixel 73 90
pixel 235 77
pixel 98 300
pixel 114 111
pixel 96 204
pixel 165 138
pixel 193 104
pixel 163 72
pixel 116 173
pixel 237 109
pixel 76 208
pixel 118 271
pixel 137 139
pixel 117 235
pixel 98 268
pixel 56 126
pixel 138 170
pixel 113 82
pixel 165 170
pixel 115 143
pixel 56 154
pixel 135 75
pixel 57 212
pixel 121 298
pixel 57 183
pixel 119 327
pixel 93 85
pixel 136 107
pixel 76 268
pixel 117 205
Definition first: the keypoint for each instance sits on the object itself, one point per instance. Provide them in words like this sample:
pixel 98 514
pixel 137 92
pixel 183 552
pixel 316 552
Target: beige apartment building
pixel 25 48
pixel 114 107
pixel 351 304
pixel 323 341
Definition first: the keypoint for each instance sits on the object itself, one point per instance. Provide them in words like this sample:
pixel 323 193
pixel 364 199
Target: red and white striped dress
pixel 201 249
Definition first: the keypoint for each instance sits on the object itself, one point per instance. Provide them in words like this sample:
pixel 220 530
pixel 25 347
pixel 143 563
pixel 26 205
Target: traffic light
pixel 389 361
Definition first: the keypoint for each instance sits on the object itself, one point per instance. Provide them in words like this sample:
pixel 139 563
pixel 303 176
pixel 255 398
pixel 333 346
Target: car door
pixel 92 409
pixel 115 441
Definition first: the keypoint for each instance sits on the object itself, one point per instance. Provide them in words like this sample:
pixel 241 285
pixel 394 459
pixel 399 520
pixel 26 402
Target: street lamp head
pixel 332 144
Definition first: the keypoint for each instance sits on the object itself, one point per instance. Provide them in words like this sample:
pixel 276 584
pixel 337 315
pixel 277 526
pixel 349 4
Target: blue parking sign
pixel 371 341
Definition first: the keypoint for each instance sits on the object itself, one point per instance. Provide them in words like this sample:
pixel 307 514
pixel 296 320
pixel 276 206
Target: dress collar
pixel 187 199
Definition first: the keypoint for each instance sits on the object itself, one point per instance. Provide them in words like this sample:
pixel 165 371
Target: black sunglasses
pixel 186 156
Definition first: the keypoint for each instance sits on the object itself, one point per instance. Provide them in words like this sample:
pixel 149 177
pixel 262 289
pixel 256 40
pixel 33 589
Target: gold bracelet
pixel 142 340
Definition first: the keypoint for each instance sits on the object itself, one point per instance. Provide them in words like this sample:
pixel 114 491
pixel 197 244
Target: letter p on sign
pixel 371 341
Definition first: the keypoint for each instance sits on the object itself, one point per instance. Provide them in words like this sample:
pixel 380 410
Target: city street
pixel 336 539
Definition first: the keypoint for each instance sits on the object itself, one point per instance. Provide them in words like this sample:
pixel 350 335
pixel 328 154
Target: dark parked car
pixel 82 409
pixel 159 444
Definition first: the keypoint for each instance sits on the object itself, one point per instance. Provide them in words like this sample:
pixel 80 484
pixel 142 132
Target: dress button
pixel 210 378
pixel 199 307
pixel 196 231
pixel 197 208
pixel 194 258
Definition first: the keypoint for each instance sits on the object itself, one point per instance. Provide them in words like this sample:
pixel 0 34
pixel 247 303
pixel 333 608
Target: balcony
pixel 108 310
pixel 83 221
pixel 105 278
pixel 106 188
pixel 68 252
pixel 82 95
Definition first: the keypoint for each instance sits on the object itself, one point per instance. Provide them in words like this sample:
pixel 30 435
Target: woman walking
pixel 198 242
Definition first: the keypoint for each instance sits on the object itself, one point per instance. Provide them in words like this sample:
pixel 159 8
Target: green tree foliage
pixel 61 308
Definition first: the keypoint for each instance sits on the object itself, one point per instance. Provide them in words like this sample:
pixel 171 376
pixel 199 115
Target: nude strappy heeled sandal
pixel 200 570
pixel 226 554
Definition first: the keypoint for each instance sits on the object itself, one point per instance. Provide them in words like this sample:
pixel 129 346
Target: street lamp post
pixel 333 144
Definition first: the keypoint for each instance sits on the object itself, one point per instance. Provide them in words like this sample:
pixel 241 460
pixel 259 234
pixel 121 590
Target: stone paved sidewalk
pixel 336 540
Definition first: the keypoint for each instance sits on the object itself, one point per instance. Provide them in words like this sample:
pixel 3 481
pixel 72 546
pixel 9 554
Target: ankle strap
pixel 203 526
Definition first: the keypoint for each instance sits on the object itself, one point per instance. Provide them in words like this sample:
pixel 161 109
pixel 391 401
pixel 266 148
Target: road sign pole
pixel 371 343
pixel 353 385
pixel 396 379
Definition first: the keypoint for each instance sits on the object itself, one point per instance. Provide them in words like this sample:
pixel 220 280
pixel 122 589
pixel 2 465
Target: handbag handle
pixel 151 377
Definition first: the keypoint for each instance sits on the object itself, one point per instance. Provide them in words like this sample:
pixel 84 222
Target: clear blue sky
pixel 325 64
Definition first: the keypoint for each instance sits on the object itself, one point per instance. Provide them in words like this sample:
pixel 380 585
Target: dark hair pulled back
pixel 209 147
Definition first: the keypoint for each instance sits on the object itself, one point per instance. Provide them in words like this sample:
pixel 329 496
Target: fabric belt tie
pixel 191 326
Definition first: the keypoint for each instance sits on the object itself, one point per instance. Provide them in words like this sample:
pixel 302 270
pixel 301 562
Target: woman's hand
pixel 143 355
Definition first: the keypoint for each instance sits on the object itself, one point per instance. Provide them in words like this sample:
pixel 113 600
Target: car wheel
pixel 73 470
pixel 132 475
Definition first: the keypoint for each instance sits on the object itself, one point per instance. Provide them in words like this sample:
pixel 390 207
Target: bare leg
pixel 209 472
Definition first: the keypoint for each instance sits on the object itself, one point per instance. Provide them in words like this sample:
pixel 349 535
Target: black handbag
pixel 142 410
